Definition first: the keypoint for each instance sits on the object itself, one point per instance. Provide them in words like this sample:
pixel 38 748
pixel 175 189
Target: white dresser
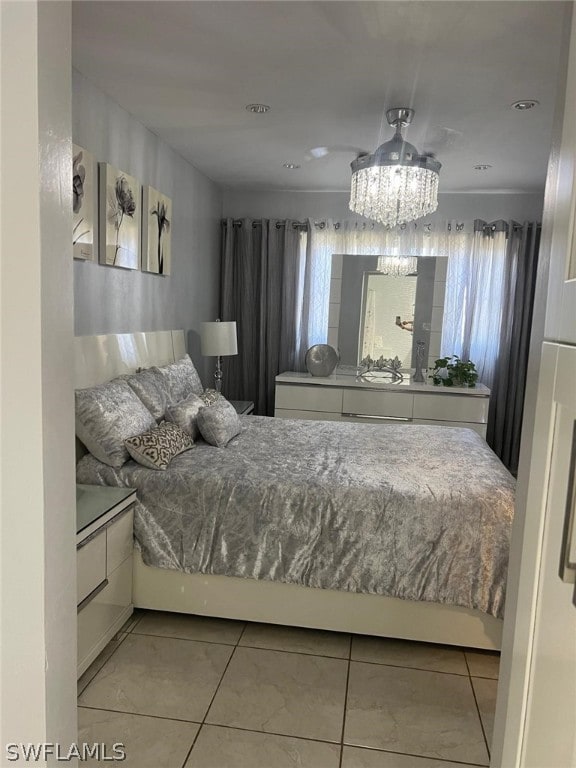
pixel 343 397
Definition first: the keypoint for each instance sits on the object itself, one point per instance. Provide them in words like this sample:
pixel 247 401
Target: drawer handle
pixel 92 595
pixel 383 418
pixel 90 538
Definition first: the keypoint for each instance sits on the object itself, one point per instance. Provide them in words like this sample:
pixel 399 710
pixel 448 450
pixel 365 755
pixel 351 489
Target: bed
pixel 398 531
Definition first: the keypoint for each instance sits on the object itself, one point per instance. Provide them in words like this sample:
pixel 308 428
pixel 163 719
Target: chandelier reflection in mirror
pixel 395 184
pixel 398 266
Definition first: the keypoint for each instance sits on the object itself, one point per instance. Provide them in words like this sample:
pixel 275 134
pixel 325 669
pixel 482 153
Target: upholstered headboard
pixel 100 358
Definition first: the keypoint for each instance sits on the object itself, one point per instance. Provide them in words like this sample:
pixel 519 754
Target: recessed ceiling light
pixel 258 109
pixel 482 167
pixel 291 166
pixel 525 104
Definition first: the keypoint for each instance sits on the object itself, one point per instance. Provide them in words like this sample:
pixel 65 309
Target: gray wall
pixel 321 205
pixel 111 300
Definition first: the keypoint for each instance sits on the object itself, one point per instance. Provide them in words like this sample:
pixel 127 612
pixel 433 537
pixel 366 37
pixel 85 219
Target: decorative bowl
pixel 321 359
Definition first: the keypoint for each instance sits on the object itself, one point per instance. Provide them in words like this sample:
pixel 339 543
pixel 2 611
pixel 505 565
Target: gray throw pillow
pixel 151 388
pixel 106 415
pixel 157 447
pixel 181 379
pixel 185 414
pixel 218 423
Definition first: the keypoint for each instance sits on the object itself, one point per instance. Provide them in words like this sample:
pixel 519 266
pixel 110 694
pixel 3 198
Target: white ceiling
pixel 329 70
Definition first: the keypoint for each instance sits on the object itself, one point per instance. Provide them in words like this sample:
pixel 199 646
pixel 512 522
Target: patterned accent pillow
pixel 181 379
pixel 185 414
pixel 211 396
pixel 151 388
pixel 106 415
pixel 219 423
pixel 156 448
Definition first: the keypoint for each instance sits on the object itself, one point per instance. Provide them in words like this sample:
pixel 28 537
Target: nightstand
pixel 104 543
pixel 243 407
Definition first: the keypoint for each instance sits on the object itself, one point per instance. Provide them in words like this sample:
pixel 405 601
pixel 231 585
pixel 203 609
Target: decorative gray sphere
pixel 321 359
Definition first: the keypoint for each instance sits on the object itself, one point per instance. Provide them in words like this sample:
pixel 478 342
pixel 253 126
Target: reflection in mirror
pixel 376 314
pixel 387 317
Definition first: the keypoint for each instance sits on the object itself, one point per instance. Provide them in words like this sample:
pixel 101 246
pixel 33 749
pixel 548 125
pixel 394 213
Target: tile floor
pixel 186 692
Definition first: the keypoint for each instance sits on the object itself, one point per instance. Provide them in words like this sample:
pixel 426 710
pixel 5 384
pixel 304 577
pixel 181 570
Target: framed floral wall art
pixel 84 210
pixel 120 217
pixel 156 234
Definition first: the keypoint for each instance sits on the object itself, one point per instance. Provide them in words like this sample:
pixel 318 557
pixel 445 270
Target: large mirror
pixel 378 314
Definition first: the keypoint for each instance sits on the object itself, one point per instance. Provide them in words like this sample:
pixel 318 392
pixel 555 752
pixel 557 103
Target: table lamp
pixel 218 339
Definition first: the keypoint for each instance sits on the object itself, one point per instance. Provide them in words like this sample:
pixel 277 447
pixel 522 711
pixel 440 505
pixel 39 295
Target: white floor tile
pixel 285 693
pixel 159 676
pixel 229 748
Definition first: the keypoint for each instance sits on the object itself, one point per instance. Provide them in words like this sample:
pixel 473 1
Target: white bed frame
pixel 101 358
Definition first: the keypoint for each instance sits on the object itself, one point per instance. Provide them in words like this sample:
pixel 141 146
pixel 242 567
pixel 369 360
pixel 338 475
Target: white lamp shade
pixel 218 339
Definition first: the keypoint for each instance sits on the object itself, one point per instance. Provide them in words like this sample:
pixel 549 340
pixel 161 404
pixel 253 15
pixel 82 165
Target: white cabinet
pixel 343 397
pixel 105 520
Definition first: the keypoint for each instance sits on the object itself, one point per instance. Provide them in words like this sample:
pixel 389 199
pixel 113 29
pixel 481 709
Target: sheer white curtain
pixel 315 283
pixel 324 239
pixel 474 301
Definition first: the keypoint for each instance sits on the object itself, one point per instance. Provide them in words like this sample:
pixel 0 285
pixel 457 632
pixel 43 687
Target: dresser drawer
pixel 370 403
pixel 119 540
pixel 91 565
pixel 104 615
pixel 312 398
pixel 479 428
pixel 451 408
pixel 285 413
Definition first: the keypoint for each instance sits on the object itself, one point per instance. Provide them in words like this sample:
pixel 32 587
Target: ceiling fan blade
pixel 317 153
pixel 440 138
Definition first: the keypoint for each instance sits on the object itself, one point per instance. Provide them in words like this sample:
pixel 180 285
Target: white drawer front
pixel 479 428
pixel 371 403
pixel 91 565
pixel 451 408
pixel 119 541
pixel 285 413
pixel 98 621
pixel 383 420
pixel 312 398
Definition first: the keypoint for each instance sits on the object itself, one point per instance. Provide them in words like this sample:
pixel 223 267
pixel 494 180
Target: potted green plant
pixel 454 372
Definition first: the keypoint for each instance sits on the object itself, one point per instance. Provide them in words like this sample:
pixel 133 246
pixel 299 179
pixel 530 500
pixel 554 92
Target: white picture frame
pixel 84 204
pixel 156 232
pixel 120 218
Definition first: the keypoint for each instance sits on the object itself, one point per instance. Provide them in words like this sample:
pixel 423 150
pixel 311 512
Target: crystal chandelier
pixel 397 266
pixel 395 184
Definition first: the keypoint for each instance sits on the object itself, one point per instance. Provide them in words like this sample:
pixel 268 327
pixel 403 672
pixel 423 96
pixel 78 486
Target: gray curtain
pixel 507 401
pixel 260 291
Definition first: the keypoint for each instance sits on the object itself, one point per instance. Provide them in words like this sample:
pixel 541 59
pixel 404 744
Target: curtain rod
pixel 500 225
pixel 479 225
pixel 322 224
pixel 258 223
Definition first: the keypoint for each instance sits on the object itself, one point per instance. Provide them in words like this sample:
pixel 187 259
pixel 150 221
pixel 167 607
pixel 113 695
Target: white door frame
pixel 527 549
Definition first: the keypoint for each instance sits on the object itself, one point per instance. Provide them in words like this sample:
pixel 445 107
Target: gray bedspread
pixel 415 512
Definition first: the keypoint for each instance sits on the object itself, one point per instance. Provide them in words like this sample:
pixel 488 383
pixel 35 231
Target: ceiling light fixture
pixel 482 167
pixel 525 104
pixel 258 109
pixel 395 184
pixel 291 166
